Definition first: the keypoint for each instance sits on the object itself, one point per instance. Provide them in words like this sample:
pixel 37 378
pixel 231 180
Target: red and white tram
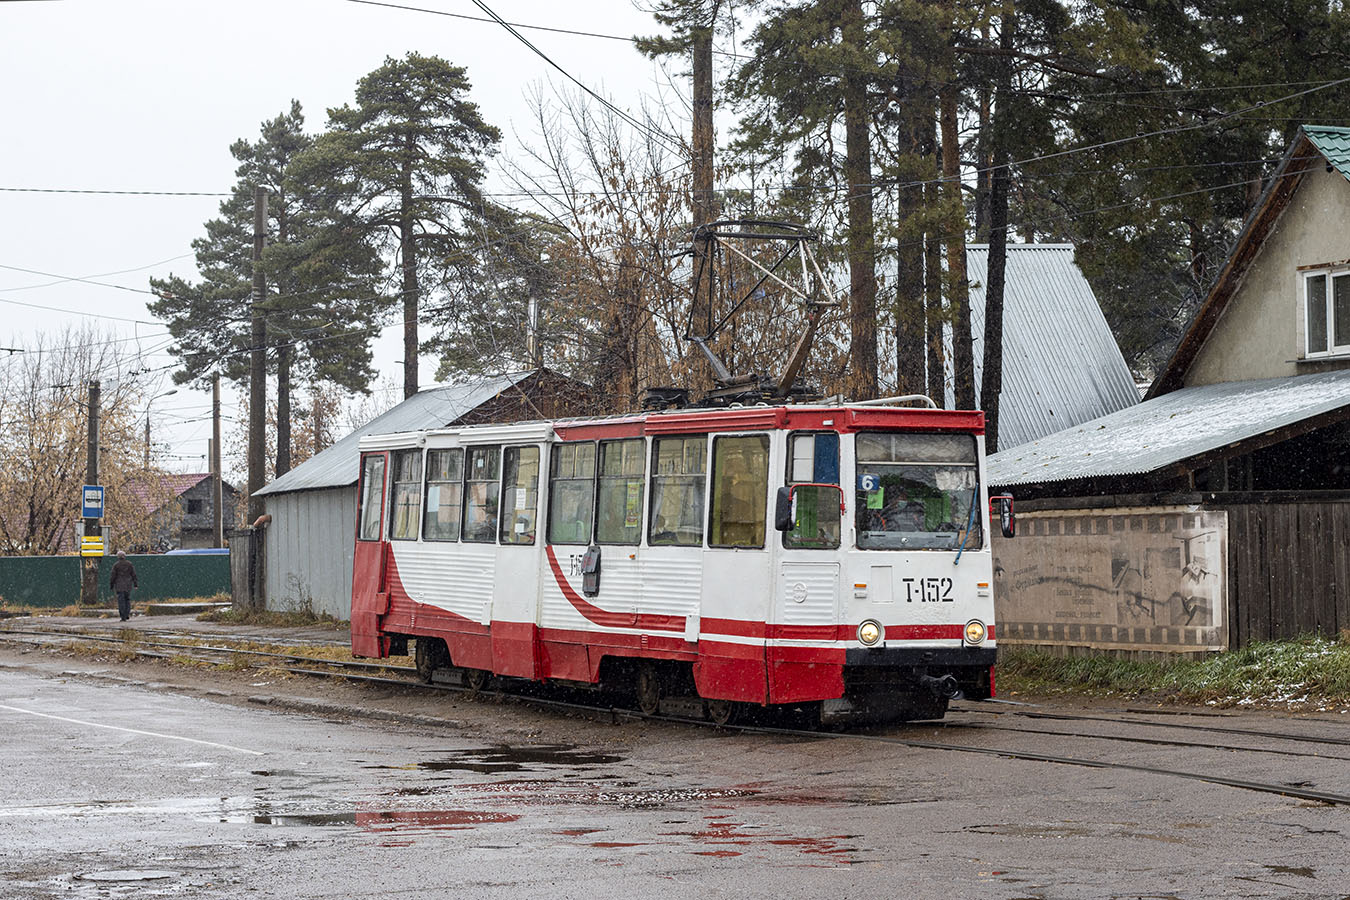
pixel 833 557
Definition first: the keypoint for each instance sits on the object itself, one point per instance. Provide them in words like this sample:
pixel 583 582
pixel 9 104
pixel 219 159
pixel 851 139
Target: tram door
pixel 737 579
pixel 370 592
pixel 806 595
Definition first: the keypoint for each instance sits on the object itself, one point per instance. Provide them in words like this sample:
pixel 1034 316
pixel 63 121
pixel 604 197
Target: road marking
pixel 171 737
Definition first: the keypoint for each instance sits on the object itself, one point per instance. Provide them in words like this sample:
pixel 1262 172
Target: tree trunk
pixel 283 409
pixel 932 279
pixel 909 310
pixel 992 383
pixel 963 355
pixel 704 210
pixel 982 170
pixel 408 254
pixel 861 234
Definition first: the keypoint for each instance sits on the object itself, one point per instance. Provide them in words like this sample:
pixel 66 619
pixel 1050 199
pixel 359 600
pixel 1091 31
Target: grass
pixel 269 618
pixel 1305 673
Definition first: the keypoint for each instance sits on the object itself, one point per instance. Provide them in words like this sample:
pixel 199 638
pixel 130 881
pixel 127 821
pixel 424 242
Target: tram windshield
pixel 917 492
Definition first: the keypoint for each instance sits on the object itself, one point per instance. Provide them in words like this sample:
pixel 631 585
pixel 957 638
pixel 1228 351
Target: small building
pixel 304 553
pixel 1217 511
pixel 181 508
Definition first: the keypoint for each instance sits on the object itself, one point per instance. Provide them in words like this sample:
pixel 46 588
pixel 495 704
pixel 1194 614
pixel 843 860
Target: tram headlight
pixel 869 632
pixel 974 631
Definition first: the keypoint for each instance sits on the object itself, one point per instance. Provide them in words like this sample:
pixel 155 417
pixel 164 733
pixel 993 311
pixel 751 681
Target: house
pixel 1217 511
pixel 181 510
pixel 302 558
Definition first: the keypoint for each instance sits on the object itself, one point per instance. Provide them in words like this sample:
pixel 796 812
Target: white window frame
pixel 1332 349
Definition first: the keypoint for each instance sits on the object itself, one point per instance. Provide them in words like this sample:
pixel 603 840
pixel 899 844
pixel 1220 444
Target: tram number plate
pixel 928 590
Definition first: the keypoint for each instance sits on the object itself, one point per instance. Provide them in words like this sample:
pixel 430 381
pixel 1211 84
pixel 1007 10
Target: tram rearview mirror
pixel 784 516
pixel 1002 506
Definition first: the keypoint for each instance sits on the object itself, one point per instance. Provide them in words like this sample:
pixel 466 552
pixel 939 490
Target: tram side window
pixel 571 493
pixel 445 495
pixel 619 502
pixel 814 458
pixel 740 491
pixel 679 472
pixel 372 496
pixel 482 487
pixel 917 492
pixel 407 511
pixel 520 501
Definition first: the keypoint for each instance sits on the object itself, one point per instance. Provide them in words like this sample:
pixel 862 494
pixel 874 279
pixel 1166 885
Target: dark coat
pixel 124 576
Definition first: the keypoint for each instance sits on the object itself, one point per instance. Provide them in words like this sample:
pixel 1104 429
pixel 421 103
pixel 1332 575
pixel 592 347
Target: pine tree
pixel 404 167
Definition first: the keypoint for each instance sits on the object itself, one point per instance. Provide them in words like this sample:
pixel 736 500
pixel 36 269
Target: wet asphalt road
pixel 123 789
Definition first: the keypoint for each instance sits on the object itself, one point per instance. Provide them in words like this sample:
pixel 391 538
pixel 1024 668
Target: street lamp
pixel 147 423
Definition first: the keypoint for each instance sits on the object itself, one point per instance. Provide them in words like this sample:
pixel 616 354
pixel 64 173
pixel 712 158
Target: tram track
pixel 360 672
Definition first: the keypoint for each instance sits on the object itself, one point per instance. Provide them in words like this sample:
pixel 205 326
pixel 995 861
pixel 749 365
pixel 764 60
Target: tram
pixel 832 558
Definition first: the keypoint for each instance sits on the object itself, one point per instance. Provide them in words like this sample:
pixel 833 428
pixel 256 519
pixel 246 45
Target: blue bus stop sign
pixel 92 501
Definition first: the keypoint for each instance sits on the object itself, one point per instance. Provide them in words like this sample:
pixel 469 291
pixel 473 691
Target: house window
pixel 194 507
pixel 1326 306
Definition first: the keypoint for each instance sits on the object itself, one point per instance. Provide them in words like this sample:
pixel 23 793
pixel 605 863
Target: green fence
pixel 54 581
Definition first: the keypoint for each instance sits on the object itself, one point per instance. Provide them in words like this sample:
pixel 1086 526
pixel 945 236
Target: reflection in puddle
pixel 392 820
pixel 1303 871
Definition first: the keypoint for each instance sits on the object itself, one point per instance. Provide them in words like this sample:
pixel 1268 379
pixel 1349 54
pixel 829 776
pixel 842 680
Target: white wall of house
pixel 1261 332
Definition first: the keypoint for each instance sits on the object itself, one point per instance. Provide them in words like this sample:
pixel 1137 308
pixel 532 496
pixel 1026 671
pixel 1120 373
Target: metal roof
pixel 1333 143
pixel 433 407
pixel 1061 364
pixel 1171 428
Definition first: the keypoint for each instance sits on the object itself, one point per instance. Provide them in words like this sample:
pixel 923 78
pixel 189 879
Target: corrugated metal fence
pixel 54 581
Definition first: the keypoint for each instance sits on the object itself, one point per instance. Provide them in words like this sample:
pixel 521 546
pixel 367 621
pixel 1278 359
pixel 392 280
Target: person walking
pixel 123 580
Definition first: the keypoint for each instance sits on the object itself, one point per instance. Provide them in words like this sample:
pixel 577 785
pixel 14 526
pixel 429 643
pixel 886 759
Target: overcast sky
pixel 138 95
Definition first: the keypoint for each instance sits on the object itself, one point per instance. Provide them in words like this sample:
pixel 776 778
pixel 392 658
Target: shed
pixel 304 554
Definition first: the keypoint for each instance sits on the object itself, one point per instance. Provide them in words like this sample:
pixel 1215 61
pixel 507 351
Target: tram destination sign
pixel 91 501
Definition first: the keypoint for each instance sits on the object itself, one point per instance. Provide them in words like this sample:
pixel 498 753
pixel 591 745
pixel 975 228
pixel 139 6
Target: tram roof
pixel 698 420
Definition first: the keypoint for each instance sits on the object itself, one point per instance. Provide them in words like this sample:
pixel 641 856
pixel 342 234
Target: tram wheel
pixel 429 655
pixel 724 712
pixel 475 680
pixel 648 689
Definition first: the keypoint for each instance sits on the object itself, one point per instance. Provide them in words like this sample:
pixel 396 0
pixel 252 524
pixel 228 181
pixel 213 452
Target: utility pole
pixel 257 369
pixel 217 492
pixel 92 527
pixel 147 438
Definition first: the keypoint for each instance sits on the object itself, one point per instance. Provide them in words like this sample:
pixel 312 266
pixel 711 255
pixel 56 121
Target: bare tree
pixel 43 434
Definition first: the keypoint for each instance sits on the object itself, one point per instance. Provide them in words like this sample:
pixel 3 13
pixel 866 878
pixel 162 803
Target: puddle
pixel 494 760
pixel 722 836
pixel 127 875
pixel 1301 871
pixel 1017 830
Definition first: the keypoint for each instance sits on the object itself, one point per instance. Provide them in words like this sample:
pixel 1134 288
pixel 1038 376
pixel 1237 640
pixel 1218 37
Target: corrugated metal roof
pixel 430 407
pixel 1333 143
pixel 1061 364
pixel 1171 428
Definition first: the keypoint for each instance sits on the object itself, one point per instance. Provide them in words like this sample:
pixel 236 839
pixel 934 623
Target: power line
pixel 29 190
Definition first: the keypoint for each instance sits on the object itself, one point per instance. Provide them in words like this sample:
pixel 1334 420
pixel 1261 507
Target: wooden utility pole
pixel 217 491
pixel 257 369
pixel 92 527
